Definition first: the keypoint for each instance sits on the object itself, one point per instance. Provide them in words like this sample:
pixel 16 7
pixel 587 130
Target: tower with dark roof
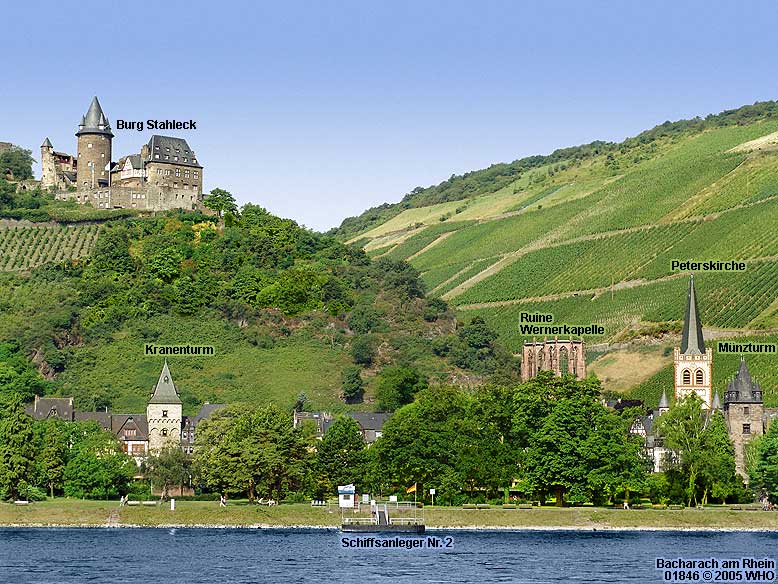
pixel 94 148
pixel 164 413
pixel 693 361
pixel 744 411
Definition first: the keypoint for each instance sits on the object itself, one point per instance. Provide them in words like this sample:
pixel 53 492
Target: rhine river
pixel 231 556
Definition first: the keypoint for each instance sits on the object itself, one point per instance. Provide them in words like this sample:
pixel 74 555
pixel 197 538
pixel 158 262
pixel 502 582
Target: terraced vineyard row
pixel 576 266
pixel 24 247
pixel 755 180
pixel 421 240
pixel 658 187
pixel 726 300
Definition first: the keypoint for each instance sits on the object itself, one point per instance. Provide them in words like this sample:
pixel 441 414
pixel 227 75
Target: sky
pixel 318 110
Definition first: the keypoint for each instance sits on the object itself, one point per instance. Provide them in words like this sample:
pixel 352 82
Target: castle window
pixel 196 174
pixel 159 171
pixel 186 172
pixel 699 377
pixel 156 156
pixel 167 156
pixel 178 172
pixel 164 431
pixel 175 158
pixel 130 432
pixel 746 410
pixel 687 377
pixel 164 413
pixel 167 149
pixel 746 428
pixel 89 145
pixel 186 159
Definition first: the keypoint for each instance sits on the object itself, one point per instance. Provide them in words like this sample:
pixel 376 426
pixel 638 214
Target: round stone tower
pixel 94 148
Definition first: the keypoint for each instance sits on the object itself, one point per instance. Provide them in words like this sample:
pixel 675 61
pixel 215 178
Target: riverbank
pixel 74 513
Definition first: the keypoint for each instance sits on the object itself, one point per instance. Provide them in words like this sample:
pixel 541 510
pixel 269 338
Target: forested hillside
pixel 296 318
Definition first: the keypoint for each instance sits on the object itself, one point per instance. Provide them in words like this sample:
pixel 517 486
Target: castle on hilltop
pixel 165 174
pixel 743 406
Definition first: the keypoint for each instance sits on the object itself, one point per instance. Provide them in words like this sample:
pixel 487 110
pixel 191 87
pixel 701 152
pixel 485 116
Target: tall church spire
pixel 692 342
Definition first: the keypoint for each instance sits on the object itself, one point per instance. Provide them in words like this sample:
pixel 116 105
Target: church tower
pixel 163 413
pixel 693 362
pixel 48 165
pixel 94 148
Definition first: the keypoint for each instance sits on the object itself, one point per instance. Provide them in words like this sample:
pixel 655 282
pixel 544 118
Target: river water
pixel 231 556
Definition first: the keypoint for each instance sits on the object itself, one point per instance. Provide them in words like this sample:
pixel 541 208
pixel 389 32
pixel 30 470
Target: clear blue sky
pixel 318 110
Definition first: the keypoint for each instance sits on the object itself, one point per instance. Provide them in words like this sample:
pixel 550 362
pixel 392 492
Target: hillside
pixel 292 315
pixel 589 237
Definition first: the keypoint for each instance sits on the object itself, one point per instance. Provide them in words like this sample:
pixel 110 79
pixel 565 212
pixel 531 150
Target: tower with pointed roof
pixel 744 411
pixel 164 413
pixel 693 362
pixel 48 165
pixel 94 148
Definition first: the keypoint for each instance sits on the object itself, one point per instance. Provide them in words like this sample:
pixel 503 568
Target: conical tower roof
pixel 46 143
pixel 165 391
pixel 664 403
pixel 95 121
pixel 716 405
pixel 743 388
pixel 692 342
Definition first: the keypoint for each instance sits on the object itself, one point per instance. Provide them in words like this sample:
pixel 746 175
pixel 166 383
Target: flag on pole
pixel 411 489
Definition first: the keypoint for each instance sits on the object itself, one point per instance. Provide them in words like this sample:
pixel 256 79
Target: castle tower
pixel 94 148
pixel 693 362
pixel 48 165
pixel 743 409
pixel 163 413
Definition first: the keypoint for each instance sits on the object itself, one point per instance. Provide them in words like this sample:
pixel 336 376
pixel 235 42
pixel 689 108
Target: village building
pixel 139 434
pixel 370 424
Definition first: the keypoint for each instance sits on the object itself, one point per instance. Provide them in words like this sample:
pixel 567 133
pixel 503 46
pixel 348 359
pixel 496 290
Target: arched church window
pixel 687 377
pixel 564 361
pixel 699 377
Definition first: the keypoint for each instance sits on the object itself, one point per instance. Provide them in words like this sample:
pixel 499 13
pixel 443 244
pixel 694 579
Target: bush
pixel 363 350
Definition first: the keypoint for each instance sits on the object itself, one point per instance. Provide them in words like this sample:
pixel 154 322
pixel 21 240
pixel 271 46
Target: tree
pixel 52 440
pixel 97 468
pixel 397 385
pixel 363 350
pixel 168 468
pixel 705 453
pixel 17 448
pixel 352 383
pixel 252 452
pixel 340 457
pixel 221 201
pixel 18 160
pixel 764 473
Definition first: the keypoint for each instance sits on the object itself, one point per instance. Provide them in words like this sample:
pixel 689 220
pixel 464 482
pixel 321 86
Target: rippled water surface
pixel 172 556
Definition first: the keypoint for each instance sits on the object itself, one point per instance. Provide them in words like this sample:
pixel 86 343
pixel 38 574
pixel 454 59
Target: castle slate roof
pixel 743 389
pixel 138 421
pixel 716 405
pixel 165 391
pixel 172 147
pixel 664 403
pixel 94 122
pixel 46 143
pixel 102 418
pixel 206 410
pixel 692 342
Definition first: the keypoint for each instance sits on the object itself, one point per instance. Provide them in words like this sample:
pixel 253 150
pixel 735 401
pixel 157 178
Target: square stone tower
pixel 164 413
pixel 744 411
pixel 693 362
